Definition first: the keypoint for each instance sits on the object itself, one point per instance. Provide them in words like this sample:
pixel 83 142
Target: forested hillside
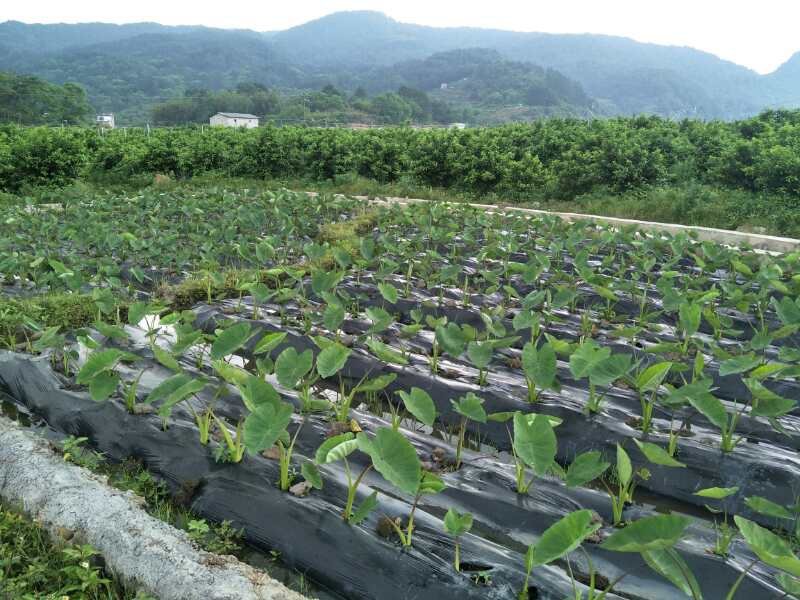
pixel 128 69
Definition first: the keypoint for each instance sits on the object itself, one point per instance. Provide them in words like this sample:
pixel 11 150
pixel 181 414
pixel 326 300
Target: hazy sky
pixel 760 34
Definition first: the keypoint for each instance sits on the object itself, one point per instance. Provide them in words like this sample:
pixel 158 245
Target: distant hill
pixel 126 68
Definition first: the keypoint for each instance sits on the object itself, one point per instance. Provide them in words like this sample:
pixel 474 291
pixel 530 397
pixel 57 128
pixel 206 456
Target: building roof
pixel 236 115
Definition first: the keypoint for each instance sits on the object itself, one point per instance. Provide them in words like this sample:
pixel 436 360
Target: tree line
pixel 544 160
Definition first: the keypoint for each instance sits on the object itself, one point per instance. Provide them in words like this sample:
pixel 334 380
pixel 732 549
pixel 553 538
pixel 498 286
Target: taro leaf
pixel 524 319
pixel 711 408
pixel 230 340
pixel 103 385
pixel 770 548
pixel 376 384
pixel 670 565
pixel 230 373
pixel 480 354
pixel 540 364
pixel 379 317
pixel 179 395
pixel 564 536
pixel 586 358
pixel 166 359
pixel 393 457
pixel 689 316
pixel 456 523
pixel 651 378
pixel 717 493
pixel 257 392
pixel 535 442
pixel 105 360
pixel 657 455
pixel 610 369
pixel 138 311
pixel 419 404
pixel 323 281
pixel 471 407
pixel 342 257
pixel 788 311
pixel 388 291
pixel 386 353
pixel 322 455
pixel 369 504
pixel 166 387
pixel 112 332
pixel 333 316
pixel 767 403
pixel 264 251
pixel 431 483
pixel 681 395
pixel 768 507
pixel 739 364
pixel 332 359
pixel 291 367
pixel 312 475
pixel 586 467
pixel 651 533
pixel 367 248
pixel 624 467
pixel 452 339
pixel 265 425
pixel 269 342
pixel 789 585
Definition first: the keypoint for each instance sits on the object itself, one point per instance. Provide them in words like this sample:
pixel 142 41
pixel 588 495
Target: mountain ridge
pixel 624 76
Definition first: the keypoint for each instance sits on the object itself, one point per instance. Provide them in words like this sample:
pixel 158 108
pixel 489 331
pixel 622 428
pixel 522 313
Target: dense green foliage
pixel 324 107
pixel 127 69
pixel 545 161
pixel 32 101
pixel 31 566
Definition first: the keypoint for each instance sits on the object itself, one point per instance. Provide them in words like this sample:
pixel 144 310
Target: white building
pixel 226 119
pixel 105 120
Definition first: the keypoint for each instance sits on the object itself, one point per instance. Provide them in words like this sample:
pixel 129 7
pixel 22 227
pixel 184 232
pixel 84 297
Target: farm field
pixel 427 401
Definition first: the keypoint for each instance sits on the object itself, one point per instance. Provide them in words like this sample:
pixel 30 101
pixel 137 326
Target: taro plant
pixel 534 446
pixel 725 533
pixel 337 448
pixel 600 366
pixel 647 384
pixel 626 484
pixel 266 426
pixel 540 368
pixel 457 524
pixel 396 460
pixel 557 541
pixel 419 403
pixel 470 408
pixel 100 374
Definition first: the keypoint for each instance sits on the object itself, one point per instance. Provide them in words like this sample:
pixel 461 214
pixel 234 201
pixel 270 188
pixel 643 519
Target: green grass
pixel 32 567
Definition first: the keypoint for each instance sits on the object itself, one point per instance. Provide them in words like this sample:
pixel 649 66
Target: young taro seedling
pixel 560 539
pixel 457 524
pixel 396 460
pixel 601 367
pixel 626 483
pixel 470 407
pixel 725 533
pixel 534 446
pixel 540 367
pixel 266 425
pixel 337 448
